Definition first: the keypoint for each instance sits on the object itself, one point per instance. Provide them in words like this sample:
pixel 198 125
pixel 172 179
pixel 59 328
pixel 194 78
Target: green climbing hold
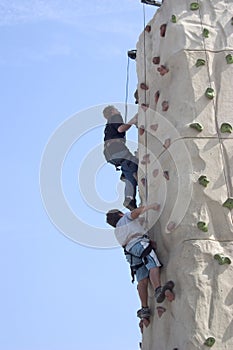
pixel 210 341
pixel 200 62
pixel 194 6
pixel 231 20
pixel 203 180
pixel 196 126
pixel 229 59
pixel 209 93
pixel 226 127
pixel 222 259
pixel 202 226
pixel 205 33
pixel 173 19
pixel 228 203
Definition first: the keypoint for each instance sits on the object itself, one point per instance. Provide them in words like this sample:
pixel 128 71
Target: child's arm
pixel 138 211
pixel 125 127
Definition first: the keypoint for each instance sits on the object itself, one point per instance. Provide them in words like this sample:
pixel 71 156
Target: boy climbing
pixel 140 253
pixel 116 152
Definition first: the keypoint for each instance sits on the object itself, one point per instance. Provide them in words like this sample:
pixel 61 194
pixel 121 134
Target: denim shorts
pixel 149 262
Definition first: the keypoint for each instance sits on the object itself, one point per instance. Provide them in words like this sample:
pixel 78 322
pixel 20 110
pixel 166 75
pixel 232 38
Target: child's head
pixel 113 216
pixel 109 111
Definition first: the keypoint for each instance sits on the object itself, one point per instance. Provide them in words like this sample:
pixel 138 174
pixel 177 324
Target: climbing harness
pixel 143 257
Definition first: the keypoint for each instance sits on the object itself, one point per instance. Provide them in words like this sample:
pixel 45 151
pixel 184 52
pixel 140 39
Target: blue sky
pixel 59 59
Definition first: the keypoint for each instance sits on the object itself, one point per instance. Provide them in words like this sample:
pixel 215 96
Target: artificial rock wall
pixel 185 87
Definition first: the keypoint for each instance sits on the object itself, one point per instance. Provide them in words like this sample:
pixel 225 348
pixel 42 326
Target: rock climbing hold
pixel 167 143
pixel 132 54
pixel 166 175
pixel 203 180
pixel 202 226
pixel 231 20
pixel 148 28
pixel 205 33
pixel 141 130
pixel 229 59
pixel 209 341
pixel 226 127
pixel 136 96
pixel 173 19
pixel 196 126
pixel 154 127
pixel 143 86
pixel 194 6
pixel 200 62
pixel 228 203
pixel 146 159
pixel 156 60
pixel 160 310
pixel 165 106
pixel 145 106
pixel 143 181
pixel 209 93
pixel 163 70
pixel 157 94
pixel 222 259
pixel 171 226
pixel 155 172
pixel 163 28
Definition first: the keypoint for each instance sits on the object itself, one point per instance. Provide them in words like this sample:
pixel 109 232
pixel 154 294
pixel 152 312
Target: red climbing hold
pixel 171 226
pixel 167 143
pixel 165 106
pixel 166 175
pixel 157 94
pixel 155 172
pixel 160 310
pixel 156 60
pixel 143 86
pixel 145 106
pixel 148 28
pixel 163 30
pixel 146 159
pixel 141 130
pixel 143 181
pixel 154 127
pixel 163 70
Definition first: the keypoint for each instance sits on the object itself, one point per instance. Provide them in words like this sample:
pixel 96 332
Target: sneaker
pixel 160 291
pixel 130 203
pixel 144 312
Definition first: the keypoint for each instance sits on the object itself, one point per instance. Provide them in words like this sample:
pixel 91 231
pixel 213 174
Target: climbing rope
pixel 145 102
pixel 215 111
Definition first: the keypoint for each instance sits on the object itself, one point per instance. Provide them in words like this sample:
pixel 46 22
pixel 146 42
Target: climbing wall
pixel 185 88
